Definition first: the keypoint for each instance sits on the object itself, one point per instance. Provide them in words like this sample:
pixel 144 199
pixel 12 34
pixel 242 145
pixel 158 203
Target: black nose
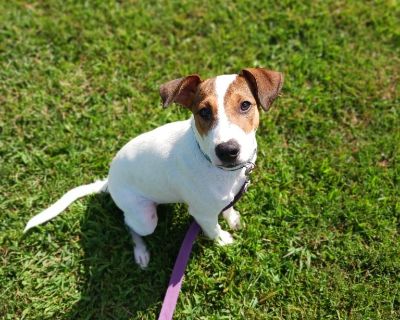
pixel 227 151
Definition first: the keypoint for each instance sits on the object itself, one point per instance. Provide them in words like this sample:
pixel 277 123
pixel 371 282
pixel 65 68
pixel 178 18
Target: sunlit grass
pixel 321 236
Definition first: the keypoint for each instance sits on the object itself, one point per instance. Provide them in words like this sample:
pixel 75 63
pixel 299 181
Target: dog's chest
pixel 166 165
pixel 213 190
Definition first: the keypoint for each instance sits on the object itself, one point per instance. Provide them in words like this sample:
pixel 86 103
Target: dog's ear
pixel 180 91
pixel 264 84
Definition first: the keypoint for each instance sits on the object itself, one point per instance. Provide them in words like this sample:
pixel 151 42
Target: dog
pixel 203 161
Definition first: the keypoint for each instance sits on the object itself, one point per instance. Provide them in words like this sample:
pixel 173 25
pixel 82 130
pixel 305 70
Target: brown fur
pixel 238 92
pixel 205 97
pixel 257 85
pixel 265 85
pixel 180 90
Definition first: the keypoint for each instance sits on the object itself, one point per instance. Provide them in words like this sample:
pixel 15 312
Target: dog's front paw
pixel 232 217
pixel 224 238
pixel 142 256
pixel 234 220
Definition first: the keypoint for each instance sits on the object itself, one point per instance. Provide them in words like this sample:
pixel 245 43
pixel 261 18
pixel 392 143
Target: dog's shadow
pixel 111 285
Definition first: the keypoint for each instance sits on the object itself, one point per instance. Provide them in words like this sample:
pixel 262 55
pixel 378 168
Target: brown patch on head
pixel 205 98
pixel 237 93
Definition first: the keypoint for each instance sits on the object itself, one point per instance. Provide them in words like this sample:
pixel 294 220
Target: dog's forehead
pixel 206 88
pixel 222 88
pixel 214 90
pixel 216 86
pixel 222 83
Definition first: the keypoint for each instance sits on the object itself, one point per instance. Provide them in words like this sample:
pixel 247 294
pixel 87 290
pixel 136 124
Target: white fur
pixel 168 172
pixel 166 165
pixel 65 201
pixel 232 217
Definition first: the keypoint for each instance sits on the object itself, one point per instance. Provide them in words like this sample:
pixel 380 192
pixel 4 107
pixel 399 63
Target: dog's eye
pixel 244 106
pixel 205 113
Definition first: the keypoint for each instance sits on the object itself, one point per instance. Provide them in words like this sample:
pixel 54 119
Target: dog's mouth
pixel 230 165
pixel 236 165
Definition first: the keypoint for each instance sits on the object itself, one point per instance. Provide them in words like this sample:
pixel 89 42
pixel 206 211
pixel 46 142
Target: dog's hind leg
pixel 141 220
pixel 140 251
pixel 140 216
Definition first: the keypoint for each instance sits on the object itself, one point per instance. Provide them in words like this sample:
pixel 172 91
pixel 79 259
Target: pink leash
pixel 175 283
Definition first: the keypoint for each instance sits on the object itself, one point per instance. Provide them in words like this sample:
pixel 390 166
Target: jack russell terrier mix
pixel 203 161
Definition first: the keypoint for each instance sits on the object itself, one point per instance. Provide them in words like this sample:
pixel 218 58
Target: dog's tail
pixel 65 201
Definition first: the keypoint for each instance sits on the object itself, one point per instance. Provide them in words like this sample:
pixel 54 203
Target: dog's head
pixel 225 110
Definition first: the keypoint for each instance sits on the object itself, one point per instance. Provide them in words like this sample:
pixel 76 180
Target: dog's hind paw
pixel 142 256
pixel 224 238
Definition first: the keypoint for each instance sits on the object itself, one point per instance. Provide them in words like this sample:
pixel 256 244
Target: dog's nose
pixel 228 151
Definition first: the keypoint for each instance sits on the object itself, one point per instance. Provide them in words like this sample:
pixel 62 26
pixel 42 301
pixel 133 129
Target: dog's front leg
pixel 210 226
pixel 232 217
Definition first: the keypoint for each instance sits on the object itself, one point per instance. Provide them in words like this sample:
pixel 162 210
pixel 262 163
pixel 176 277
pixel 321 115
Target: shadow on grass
pixel 110 283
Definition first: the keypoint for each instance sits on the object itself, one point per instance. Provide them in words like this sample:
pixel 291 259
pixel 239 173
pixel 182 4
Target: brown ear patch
pixel 238 92
pixel 265 85
pixel 180 91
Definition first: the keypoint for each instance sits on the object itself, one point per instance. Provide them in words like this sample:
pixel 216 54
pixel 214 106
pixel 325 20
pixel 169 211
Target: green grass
pixel 321 241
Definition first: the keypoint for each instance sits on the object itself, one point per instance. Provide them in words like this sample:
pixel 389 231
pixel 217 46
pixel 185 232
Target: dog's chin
pixel 229 165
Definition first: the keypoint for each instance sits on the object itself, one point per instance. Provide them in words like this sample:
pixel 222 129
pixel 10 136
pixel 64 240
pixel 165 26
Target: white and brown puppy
pixel 202 161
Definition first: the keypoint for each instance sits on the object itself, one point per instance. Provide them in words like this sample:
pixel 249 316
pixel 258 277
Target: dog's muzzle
pixel 228 152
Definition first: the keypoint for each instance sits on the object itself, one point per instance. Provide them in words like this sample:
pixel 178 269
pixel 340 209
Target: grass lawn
pixel 322 217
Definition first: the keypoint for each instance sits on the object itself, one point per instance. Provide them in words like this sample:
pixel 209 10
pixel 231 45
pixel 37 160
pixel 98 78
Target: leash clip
pixel 249 168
